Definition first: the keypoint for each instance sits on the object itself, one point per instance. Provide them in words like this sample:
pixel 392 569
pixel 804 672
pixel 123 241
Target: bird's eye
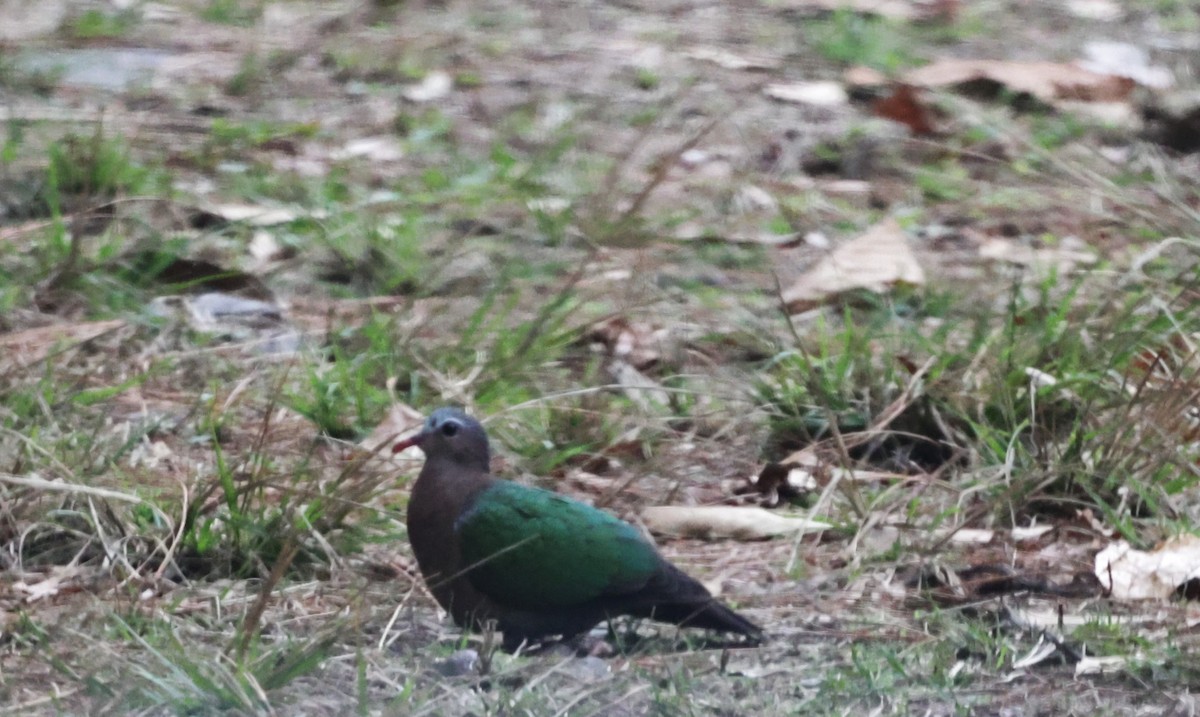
pixel 449 428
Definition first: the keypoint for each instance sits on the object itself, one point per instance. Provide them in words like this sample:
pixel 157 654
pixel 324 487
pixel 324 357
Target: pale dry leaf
pixel 1050 82
pixel 723 521
pixel 265 248
pixel 1103 665
pixel 376 149
pixel 1042 651
pixel 433 86
pixel 1131 574
pixel 876 261
pixel 968 536
pixel 1062 258
pixel 50 585
pixel 252 214
pixel 863 76
pixel 818 94
pixel 36 591
pixel 1032 532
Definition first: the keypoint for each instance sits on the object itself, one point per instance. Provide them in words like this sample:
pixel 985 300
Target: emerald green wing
pixel 528 548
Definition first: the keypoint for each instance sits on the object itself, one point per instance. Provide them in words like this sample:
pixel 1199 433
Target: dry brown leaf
pixel 876 261
pixel 1050 82
pixel 904 105
pixel 724 521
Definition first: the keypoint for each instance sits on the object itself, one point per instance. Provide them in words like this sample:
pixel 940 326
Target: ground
pixel 924 332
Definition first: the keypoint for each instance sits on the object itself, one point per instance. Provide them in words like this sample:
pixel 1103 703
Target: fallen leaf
pixel 1043 650
pixel 861 76
pixel 1061 258
pixel 1032 532
pixel 54 582
pixel 819 94
pixel 1049 82
pixel 967 536
pixel 876 261
pixel 722 521
pixel 377 149
pixel 905 106
pixel 1158 574
pixel 251 214
pixel 1102 665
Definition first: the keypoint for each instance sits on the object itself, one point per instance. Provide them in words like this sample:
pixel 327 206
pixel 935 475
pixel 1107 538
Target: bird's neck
pixel 451 480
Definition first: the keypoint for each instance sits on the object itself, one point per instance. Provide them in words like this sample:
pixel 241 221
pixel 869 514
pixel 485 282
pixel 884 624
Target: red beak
pixel 413 440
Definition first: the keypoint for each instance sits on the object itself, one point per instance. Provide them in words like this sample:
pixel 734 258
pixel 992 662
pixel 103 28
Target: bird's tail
pixel 711 615
pixel 679 599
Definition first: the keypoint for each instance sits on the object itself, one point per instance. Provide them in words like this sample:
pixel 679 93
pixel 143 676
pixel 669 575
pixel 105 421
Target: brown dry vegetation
pixel 236 236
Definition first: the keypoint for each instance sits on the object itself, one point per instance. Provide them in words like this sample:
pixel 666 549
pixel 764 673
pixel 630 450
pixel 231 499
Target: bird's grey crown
pixel 469 443
pixel 449 413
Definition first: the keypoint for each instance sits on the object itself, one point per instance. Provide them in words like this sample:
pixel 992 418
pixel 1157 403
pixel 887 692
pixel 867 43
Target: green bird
pixel 537 563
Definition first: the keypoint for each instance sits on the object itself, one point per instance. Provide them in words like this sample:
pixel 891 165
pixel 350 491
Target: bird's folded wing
pixel 531 549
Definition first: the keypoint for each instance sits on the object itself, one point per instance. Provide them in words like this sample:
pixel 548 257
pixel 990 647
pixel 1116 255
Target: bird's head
pixel 450 434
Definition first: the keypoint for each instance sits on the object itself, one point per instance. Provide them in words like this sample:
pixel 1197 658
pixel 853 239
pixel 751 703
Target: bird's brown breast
pixel 441 494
